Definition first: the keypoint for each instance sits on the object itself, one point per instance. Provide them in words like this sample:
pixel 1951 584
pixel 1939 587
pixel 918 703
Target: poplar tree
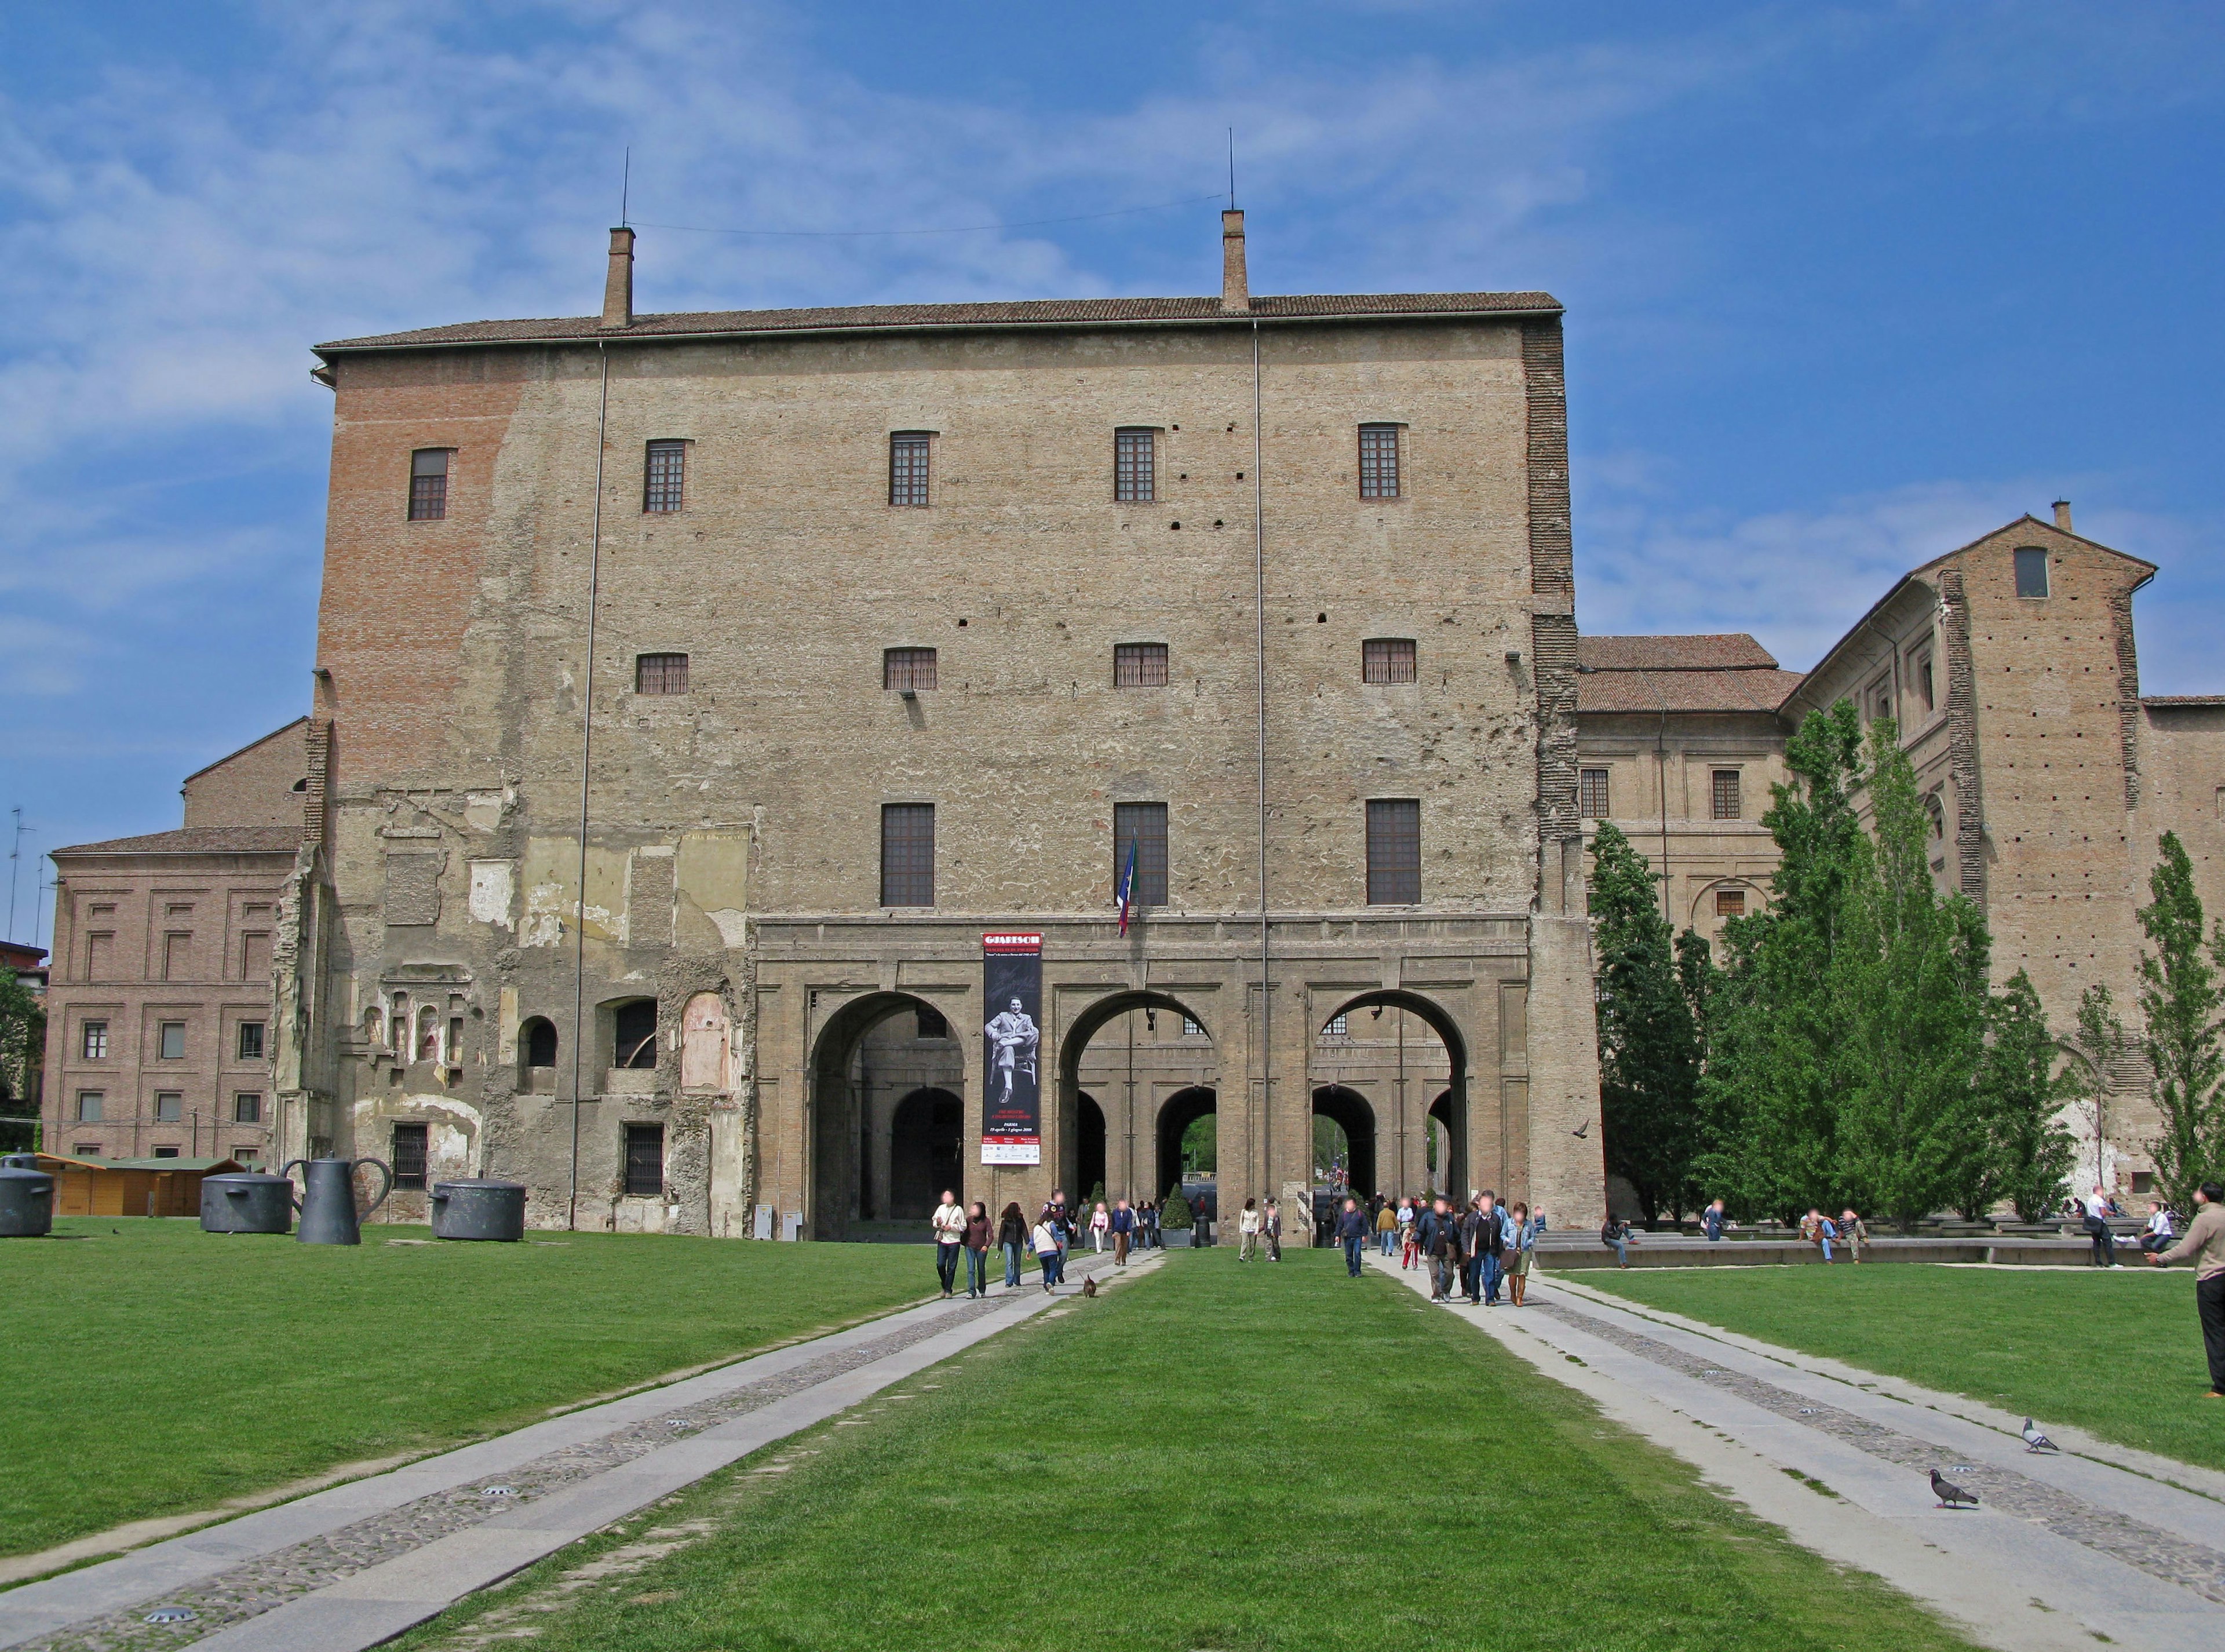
pixel 1648 1045
pixel 23 1047
pixel 2101 1046
pixel 2029 1150
pixel 2179 1000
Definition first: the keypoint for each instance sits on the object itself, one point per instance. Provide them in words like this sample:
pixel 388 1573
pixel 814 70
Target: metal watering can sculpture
pixel 328 1213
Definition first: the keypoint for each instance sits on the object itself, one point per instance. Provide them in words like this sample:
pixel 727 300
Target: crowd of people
pixel 964 1234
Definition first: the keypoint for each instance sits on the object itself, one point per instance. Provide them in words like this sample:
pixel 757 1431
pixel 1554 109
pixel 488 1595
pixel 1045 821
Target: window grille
pixel 1135 466
pixel 95 1041
pixel 1387 659
pixel 633 1036
pixel 645 1160
pixel 1730 903
pixel 1144 824
pixel 1591 794
pixel 1394 850
pixel 1379 461
pixel 428 484
pixel 1139 665
pixel 2030 573
pixel 665 478
pixel 932 1023
pixel 246 1109
pixel 251 1040
pixel 908 467
pixel 1728 802
pixel 660 673
pixel 88 1106
pixel 907 854
pixel 1192 1028
pixel 909 668
pixel 409 1155
pixel 1337 1026
pixel 171 1041
pixel 170 1107
pixel 165 1153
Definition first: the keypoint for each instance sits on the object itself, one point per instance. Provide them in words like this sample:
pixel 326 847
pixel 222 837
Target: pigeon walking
pixel 2036 1442
pixel 1950 1495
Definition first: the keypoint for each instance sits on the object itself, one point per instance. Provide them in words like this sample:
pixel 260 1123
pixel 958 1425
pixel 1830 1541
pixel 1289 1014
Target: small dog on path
pixel 1089 1288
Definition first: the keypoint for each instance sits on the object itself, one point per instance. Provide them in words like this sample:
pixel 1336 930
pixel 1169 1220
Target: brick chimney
pixel 2062 515
pixel 1235 285
pixel 618 285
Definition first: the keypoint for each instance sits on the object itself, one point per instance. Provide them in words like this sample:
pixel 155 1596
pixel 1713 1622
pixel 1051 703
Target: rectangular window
pixel 251 1040
pixel 169 1106
pixel 165 1153
pixel 907 854
pixel 1379 461
pixel 2030 573
pixel 177 957
pixel 1591 794
pixel 1135 466
pixel 645 1160
pixel 908 668
pixel 1394 850
pixel 1192 1028
pixel 908 467
pixel 249 1157
pixel 932 1023
pixel 1139 665
pixel 1338 1027
pixel 1387 659
pixel 170 1042
pixel 246 1108
pixel 93 1043
pixel 428 484
pixel 660 673
pixel 88 1106
pixel 1145 826
pixel 409 1155
pixel 255 955
pixel 1730 903
pixel 86 1149
pixel 665 478
pixel 1726 800
pixel 2143 1181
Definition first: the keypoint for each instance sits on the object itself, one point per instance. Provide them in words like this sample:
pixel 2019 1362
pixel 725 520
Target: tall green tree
pixel 2184 1043
pixel 22 1049
pixel 2101 1045
pixel 2029 1150
pixel 1649 1044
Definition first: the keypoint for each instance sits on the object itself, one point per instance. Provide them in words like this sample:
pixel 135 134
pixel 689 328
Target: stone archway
pixel 1349 1109
pixel 926 1154
pixel 851 1118
pixel 1089 1148
pixel 1169 1024
pixel 1176 1114
pixel 1451 1107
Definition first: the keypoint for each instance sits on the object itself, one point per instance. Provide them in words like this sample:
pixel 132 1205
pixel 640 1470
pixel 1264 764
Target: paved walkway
pixel 355 1565
pixel 2100 1541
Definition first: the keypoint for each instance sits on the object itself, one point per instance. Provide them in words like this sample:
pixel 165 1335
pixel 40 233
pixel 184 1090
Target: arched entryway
pixel 1396 1031
pixel 1354 1120
pixel 1440 1147
pixel 886 1115
pixel 1120 1061
pixel 1176 1114
pixel 927 1149
pixel 1089 1148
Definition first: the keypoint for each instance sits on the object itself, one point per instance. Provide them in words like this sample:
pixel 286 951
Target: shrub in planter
pixel 1176 1213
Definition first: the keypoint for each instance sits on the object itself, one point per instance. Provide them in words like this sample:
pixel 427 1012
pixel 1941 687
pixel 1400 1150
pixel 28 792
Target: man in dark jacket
pixel 1492 1242
pixel 1471 1245
pixel 1352 1233
pixel 1441 1245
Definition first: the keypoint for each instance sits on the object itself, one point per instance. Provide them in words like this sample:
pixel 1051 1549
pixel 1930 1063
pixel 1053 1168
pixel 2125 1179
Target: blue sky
pixel 1847 285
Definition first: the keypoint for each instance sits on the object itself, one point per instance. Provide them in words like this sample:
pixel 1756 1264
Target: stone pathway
pixel 2099 1543
pixel 360 1563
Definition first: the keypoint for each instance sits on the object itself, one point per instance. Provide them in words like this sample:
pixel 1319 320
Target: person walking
pixel 2096 1223
pixel 1124 1227
pixel 1100 1226
pixel 949 1225
pixel 2160 1234
pixel 1471 1244
pixel 1409 1212
pixel 1711 1220
pixel 1442 1245
pixel 1147 1224
pixel 1492 1237
pixel 1044 1239
pixel 1386 1226
pixel 1012 1237
pixel 2205 1244
pixel 1247 1231
pixel 1352 1234
pixel 1521 1245
pixel 1270 1229
pixel 978 1231
pixel 1615 1236
pixel 1854 1233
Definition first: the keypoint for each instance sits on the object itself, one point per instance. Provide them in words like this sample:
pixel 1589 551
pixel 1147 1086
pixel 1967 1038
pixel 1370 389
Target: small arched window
pixel 633 1026
pixel 538 1036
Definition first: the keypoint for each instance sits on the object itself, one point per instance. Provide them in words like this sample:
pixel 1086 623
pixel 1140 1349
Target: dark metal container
pixel 247 1203
pixel 479 1208
pixel 27 1197
pixel 328 1212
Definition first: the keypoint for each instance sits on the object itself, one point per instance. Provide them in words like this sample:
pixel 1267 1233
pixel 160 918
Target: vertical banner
pixel 1011 1115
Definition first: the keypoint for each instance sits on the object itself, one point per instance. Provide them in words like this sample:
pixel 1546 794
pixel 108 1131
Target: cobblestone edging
pixel 2158 1554
pixel 269 1580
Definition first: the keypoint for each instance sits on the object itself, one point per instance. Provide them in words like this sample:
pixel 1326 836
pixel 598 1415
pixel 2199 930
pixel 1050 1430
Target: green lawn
pixel 2118 1354
pixel 1216 1456
pixel 152 1368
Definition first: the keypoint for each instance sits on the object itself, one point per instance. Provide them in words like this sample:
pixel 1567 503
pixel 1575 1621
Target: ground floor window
pixel 645 1160
pixel 408 1160
pixel 247 1108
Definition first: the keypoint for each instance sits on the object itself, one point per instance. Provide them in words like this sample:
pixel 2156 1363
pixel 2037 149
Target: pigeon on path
pixel 2035 1440
pixel 1950 1495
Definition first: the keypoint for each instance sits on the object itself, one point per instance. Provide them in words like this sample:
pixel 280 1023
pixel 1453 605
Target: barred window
pixel 1387 659
pixel 1337 1026
pixel 1591 794
pixel 1192 1028
pixel 1379 461
pixel 1145 826
pixel 1139 665
pixel 664 480
pixel 1726 800
pixel 660 673
pixel 1394 850
pixel 1730 903
pixel 908 467
pixel 246 1109
pixel 907 854
pixel 428 483
pixel 409 1157
pixel 1135 467
pixel 645 1160
pixel 912 668
pixel 931 1024
pixel 95 1045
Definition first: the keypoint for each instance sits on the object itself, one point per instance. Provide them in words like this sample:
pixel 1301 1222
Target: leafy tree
pixel 2102 1043
pixel 1698 978
pixel 22 1049
pixel 2029 1151
pixel 1648 1045
pixel 1200 1145
pixel 2179 1000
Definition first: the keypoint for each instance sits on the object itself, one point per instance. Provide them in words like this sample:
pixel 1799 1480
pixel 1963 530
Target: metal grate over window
pixel 1591 795
pixel 1135 466
pixel 1139 665
pixel 408 1158
pixel 1379 461
pixel 1726 797
pixel 908 668
pixel 1394 850
pixel 908 467
pixel 645 1161
pixel 907 854
pixel 1387 659
pixel 428 484
pixel 660 673
pixel 1730 903
pixel 1144 825
pixel 664 480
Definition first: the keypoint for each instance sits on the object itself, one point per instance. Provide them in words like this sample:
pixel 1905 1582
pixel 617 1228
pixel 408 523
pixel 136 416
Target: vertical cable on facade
pixel 1266 987
pixel 586 758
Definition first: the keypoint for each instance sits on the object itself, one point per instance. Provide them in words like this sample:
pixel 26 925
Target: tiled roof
pixel 2182 700
pixel 1729 672
pixel 1731 651
pixel 1053 312
pixel 197 840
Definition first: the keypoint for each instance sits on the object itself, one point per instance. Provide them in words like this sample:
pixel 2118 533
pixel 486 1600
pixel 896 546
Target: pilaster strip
pixel 2128 694
pixel 1963 737
pixel 1545 395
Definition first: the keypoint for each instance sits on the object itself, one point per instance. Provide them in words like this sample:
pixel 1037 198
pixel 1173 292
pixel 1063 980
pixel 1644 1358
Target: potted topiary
pixel 1175 1222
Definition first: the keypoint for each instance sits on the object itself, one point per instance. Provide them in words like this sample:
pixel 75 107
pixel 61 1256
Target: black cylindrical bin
pixel 247 1202
pixel 480 1208
pixel 27 1197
